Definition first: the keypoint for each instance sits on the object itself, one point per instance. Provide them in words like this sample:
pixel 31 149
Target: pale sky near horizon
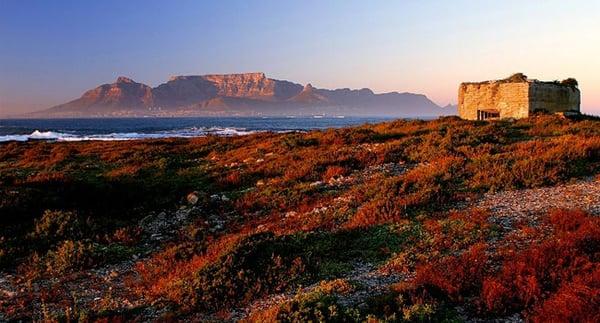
pixel 52 51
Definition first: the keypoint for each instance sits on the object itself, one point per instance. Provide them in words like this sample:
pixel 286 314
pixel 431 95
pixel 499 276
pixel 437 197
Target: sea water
pixel 153 128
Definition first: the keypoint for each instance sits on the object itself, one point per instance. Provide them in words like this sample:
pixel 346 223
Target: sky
pixel 52 51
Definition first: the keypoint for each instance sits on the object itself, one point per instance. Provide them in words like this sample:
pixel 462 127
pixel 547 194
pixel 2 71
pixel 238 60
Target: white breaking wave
pixel 180 133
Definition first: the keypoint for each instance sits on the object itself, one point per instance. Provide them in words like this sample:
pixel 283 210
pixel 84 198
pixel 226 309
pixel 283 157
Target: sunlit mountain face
pixel 247 94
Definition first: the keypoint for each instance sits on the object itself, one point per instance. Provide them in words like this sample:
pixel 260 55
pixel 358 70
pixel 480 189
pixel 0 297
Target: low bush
pixel 315 307
pixel 556 279
pixel 69 256
pixel 400 180
pixel 333 172
pixel 528 277
pixel 400 304
pixel 58 225
pixel 239 270
pixel 455 276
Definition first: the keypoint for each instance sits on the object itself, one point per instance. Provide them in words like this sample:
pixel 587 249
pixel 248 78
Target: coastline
pixel 419 216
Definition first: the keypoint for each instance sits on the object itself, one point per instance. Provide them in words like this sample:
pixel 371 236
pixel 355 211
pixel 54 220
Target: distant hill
pixel 248 94
pixel 451 109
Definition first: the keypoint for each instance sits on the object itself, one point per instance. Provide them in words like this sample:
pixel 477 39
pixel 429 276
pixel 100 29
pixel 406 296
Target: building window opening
pixel 488 114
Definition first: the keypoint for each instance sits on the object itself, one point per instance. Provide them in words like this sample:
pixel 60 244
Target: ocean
pixel 145 128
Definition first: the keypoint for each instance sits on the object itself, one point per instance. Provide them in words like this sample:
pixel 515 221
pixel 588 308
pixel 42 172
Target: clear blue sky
pixel 51 51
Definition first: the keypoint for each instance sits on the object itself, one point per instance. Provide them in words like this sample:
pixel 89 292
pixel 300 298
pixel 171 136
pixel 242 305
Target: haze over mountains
pixel 247 94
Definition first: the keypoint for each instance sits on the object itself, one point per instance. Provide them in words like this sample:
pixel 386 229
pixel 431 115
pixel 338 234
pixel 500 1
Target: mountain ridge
pixel 240 94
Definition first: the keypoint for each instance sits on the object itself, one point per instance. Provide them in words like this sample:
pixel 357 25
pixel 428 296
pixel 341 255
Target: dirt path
pixel 510 207
pixel 583 195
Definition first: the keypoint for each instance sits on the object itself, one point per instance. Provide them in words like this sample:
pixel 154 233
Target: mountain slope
pixel 124 93
pixel 245 94
pixel 309 95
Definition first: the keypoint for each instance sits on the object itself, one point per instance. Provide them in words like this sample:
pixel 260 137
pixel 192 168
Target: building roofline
pixel 522 78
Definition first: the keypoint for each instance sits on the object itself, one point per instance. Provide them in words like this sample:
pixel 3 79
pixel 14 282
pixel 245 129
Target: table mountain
pixel 247 94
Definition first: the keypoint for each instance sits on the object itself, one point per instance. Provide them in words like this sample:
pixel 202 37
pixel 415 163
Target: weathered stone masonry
pixel 516 97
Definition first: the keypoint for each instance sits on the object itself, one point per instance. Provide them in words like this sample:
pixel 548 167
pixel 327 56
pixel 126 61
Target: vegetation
pixel 298 213
pixel 517 77
pixel 570 82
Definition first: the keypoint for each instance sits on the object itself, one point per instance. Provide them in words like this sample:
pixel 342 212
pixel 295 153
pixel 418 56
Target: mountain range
pixel 246 94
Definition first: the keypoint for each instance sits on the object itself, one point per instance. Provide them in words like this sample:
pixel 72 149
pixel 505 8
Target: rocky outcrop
pixel 244 94
pixel 310 95
pixel 252 85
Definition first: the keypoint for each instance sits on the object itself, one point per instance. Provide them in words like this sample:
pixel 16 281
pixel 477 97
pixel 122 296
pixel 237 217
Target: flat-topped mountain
pixel 247 94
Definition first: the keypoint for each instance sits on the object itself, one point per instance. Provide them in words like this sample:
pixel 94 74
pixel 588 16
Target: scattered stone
pixel 510 207
pixel 192 198
pixel 319 210
pixel 146 220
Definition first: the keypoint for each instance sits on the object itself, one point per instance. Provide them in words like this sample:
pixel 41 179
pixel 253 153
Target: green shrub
pixel 292 141
pixel 69 256
pixel 570 82
pixel 259 265
pixel 57 225
pixel 315 307
pixel 517 77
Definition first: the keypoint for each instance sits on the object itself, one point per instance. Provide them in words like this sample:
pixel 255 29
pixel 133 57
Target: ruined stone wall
pixel 511 99
pixel 553 98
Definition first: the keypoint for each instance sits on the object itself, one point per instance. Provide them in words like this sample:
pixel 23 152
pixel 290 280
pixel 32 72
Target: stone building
pixel 516 97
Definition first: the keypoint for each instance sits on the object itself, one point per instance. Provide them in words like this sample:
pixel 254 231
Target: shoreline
pixel 140 128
